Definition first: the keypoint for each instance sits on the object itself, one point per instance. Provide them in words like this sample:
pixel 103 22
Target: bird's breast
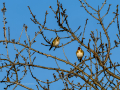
pixel 79 54
pixel 56 43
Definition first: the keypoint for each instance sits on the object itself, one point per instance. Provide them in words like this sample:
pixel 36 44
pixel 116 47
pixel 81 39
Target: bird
pixel 55 42
pixel 79 54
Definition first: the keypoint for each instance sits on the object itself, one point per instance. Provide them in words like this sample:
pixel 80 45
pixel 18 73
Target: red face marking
pixel 78 48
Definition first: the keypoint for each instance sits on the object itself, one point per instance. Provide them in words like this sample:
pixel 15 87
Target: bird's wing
pixel 76 52
pixel 53 41
pixel 83 53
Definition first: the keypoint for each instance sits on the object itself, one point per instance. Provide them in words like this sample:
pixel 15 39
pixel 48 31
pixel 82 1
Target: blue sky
pixel 18 14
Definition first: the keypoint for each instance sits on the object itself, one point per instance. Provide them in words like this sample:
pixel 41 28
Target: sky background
pixel 18 14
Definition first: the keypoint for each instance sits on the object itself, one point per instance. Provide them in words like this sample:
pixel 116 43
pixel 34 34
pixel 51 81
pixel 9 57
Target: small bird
pixel 80 54
pixel 55 42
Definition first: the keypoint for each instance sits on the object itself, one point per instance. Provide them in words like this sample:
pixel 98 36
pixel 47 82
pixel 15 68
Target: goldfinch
pixel 80 54
pixel 55 42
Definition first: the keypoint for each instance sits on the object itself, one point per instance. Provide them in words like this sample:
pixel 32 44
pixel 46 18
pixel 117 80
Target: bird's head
pixel 79 48
pixel 58 37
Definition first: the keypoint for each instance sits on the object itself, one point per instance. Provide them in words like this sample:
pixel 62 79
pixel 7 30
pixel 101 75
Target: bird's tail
pixel 79 60
pixel 50 48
